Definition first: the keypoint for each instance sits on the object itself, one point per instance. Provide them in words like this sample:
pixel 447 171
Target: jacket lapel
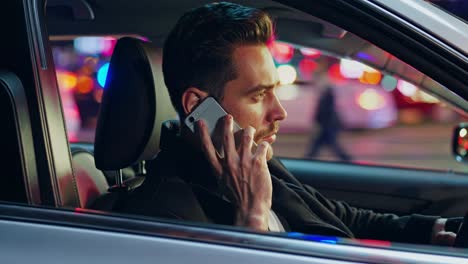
pixel 309 217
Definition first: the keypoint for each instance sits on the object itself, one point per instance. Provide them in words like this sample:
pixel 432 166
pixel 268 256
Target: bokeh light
pixel 89 65
pixel 421 96
pixel 102 74
pixel 306 68
pixel 370 76
pixel 85 84
pixel 370 99
pixel 310 53
pixel 334 73
pixel 287 74
pixel 281 52
pixel 109 46
pixel 406 88
pixel 463 132
pixel 351 69
pixel 389 83
pixel 94 45
pixel 66 80
pixel 288 92
pixel 365 56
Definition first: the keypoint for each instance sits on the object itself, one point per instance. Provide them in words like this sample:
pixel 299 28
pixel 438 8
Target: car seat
pixel 135 103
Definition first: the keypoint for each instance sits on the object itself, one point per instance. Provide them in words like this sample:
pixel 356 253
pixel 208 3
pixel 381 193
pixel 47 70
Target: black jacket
pixel 180 185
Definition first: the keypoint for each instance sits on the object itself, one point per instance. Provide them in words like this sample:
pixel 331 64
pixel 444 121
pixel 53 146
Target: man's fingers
pixel 247 142
pixel 230 152
pixel 262 150
pixel 208 147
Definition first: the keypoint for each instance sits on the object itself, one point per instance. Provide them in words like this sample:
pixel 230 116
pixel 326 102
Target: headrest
pixel 134 105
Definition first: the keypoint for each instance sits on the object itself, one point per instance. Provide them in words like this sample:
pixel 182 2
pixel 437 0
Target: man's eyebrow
pixel 263 87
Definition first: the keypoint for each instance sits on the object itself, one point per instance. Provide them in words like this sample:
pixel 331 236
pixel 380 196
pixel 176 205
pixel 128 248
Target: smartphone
pixel 212 113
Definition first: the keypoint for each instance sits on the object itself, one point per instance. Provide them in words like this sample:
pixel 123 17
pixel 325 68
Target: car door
pixel 397 186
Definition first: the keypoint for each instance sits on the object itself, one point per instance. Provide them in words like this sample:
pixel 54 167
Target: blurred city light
pixel 389 83
pixel 288 92
pixel 93 45
pixel 351 69
pixel 370 76
pixel 463 132
pixel 334 73
pixel 421 96
pixel 281 52
pixel 66 80
pixel 102 74
pixel 370 99
pixel 85 84
pixel 406 88
pixel 306 68
pixel 365 56
pixel 287 74
pixel 109 46
pixel 64 57
pixel 310 53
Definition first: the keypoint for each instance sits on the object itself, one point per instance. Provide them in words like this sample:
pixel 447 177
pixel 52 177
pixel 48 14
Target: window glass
pixel 343 110
pixel 361 115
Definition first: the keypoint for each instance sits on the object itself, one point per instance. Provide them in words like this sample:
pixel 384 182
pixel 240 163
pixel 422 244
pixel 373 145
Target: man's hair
pixel 198 51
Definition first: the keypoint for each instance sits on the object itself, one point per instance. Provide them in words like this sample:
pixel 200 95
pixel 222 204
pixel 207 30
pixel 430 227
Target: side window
pixel 340 109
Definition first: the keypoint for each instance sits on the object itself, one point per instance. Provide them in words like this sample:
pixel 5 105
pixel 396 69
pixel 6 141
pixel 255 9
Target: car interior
pixel 131 122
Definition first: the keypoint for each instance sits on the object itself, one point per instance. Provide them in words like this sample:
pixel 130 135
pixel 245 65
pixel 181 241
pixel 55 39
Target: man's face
pixel 251 98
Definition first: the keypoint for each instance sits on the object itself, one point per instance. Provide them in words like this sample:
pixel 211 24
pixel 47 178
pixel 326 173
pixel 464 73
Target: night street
pixel 423 146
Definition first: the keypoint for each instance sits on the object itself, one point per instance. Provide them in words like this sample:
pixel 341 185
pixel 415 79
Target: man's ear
pixel 191 98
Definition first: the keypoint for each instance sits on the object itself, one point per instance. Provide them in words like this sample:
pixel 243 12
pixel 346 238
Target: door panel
pixel 386 189
pixel 81 236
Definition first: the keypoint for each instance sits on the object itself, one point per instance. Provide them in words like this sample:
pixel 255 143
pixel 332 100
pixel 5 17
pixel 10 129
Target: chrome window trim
pixel 438 22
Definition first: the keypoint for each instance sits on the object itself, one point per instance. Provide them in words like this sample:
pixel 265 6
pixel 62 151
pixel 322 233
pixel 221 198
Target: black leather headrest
pixel 134 105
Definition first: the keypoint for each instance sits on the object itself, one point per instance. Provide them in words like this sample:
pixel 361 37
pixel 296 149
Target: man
pixel 220 50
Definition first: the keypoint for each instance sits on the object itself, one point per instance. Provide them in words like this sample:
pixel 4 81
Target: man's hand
pixel 440 236
pixel 245 175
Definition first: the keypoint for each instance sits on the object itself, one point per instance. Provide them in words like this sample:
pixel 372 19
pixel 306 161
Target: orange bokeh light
pixel 373 77
pixel 85 84
pixel 66 80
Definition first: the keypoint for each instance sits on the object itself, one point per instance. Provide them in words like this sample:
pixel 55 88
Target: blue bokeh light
pixel 102 74
pixel 315 238
pixel 365 56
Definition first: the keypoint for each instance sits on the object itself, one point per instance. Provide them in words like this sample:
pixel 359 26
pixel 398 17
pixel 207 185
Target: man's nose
pixel 278 111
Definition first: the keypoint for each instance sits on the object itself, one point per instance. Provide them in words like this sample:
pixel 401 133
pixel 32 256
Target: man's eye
pixel 259 96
